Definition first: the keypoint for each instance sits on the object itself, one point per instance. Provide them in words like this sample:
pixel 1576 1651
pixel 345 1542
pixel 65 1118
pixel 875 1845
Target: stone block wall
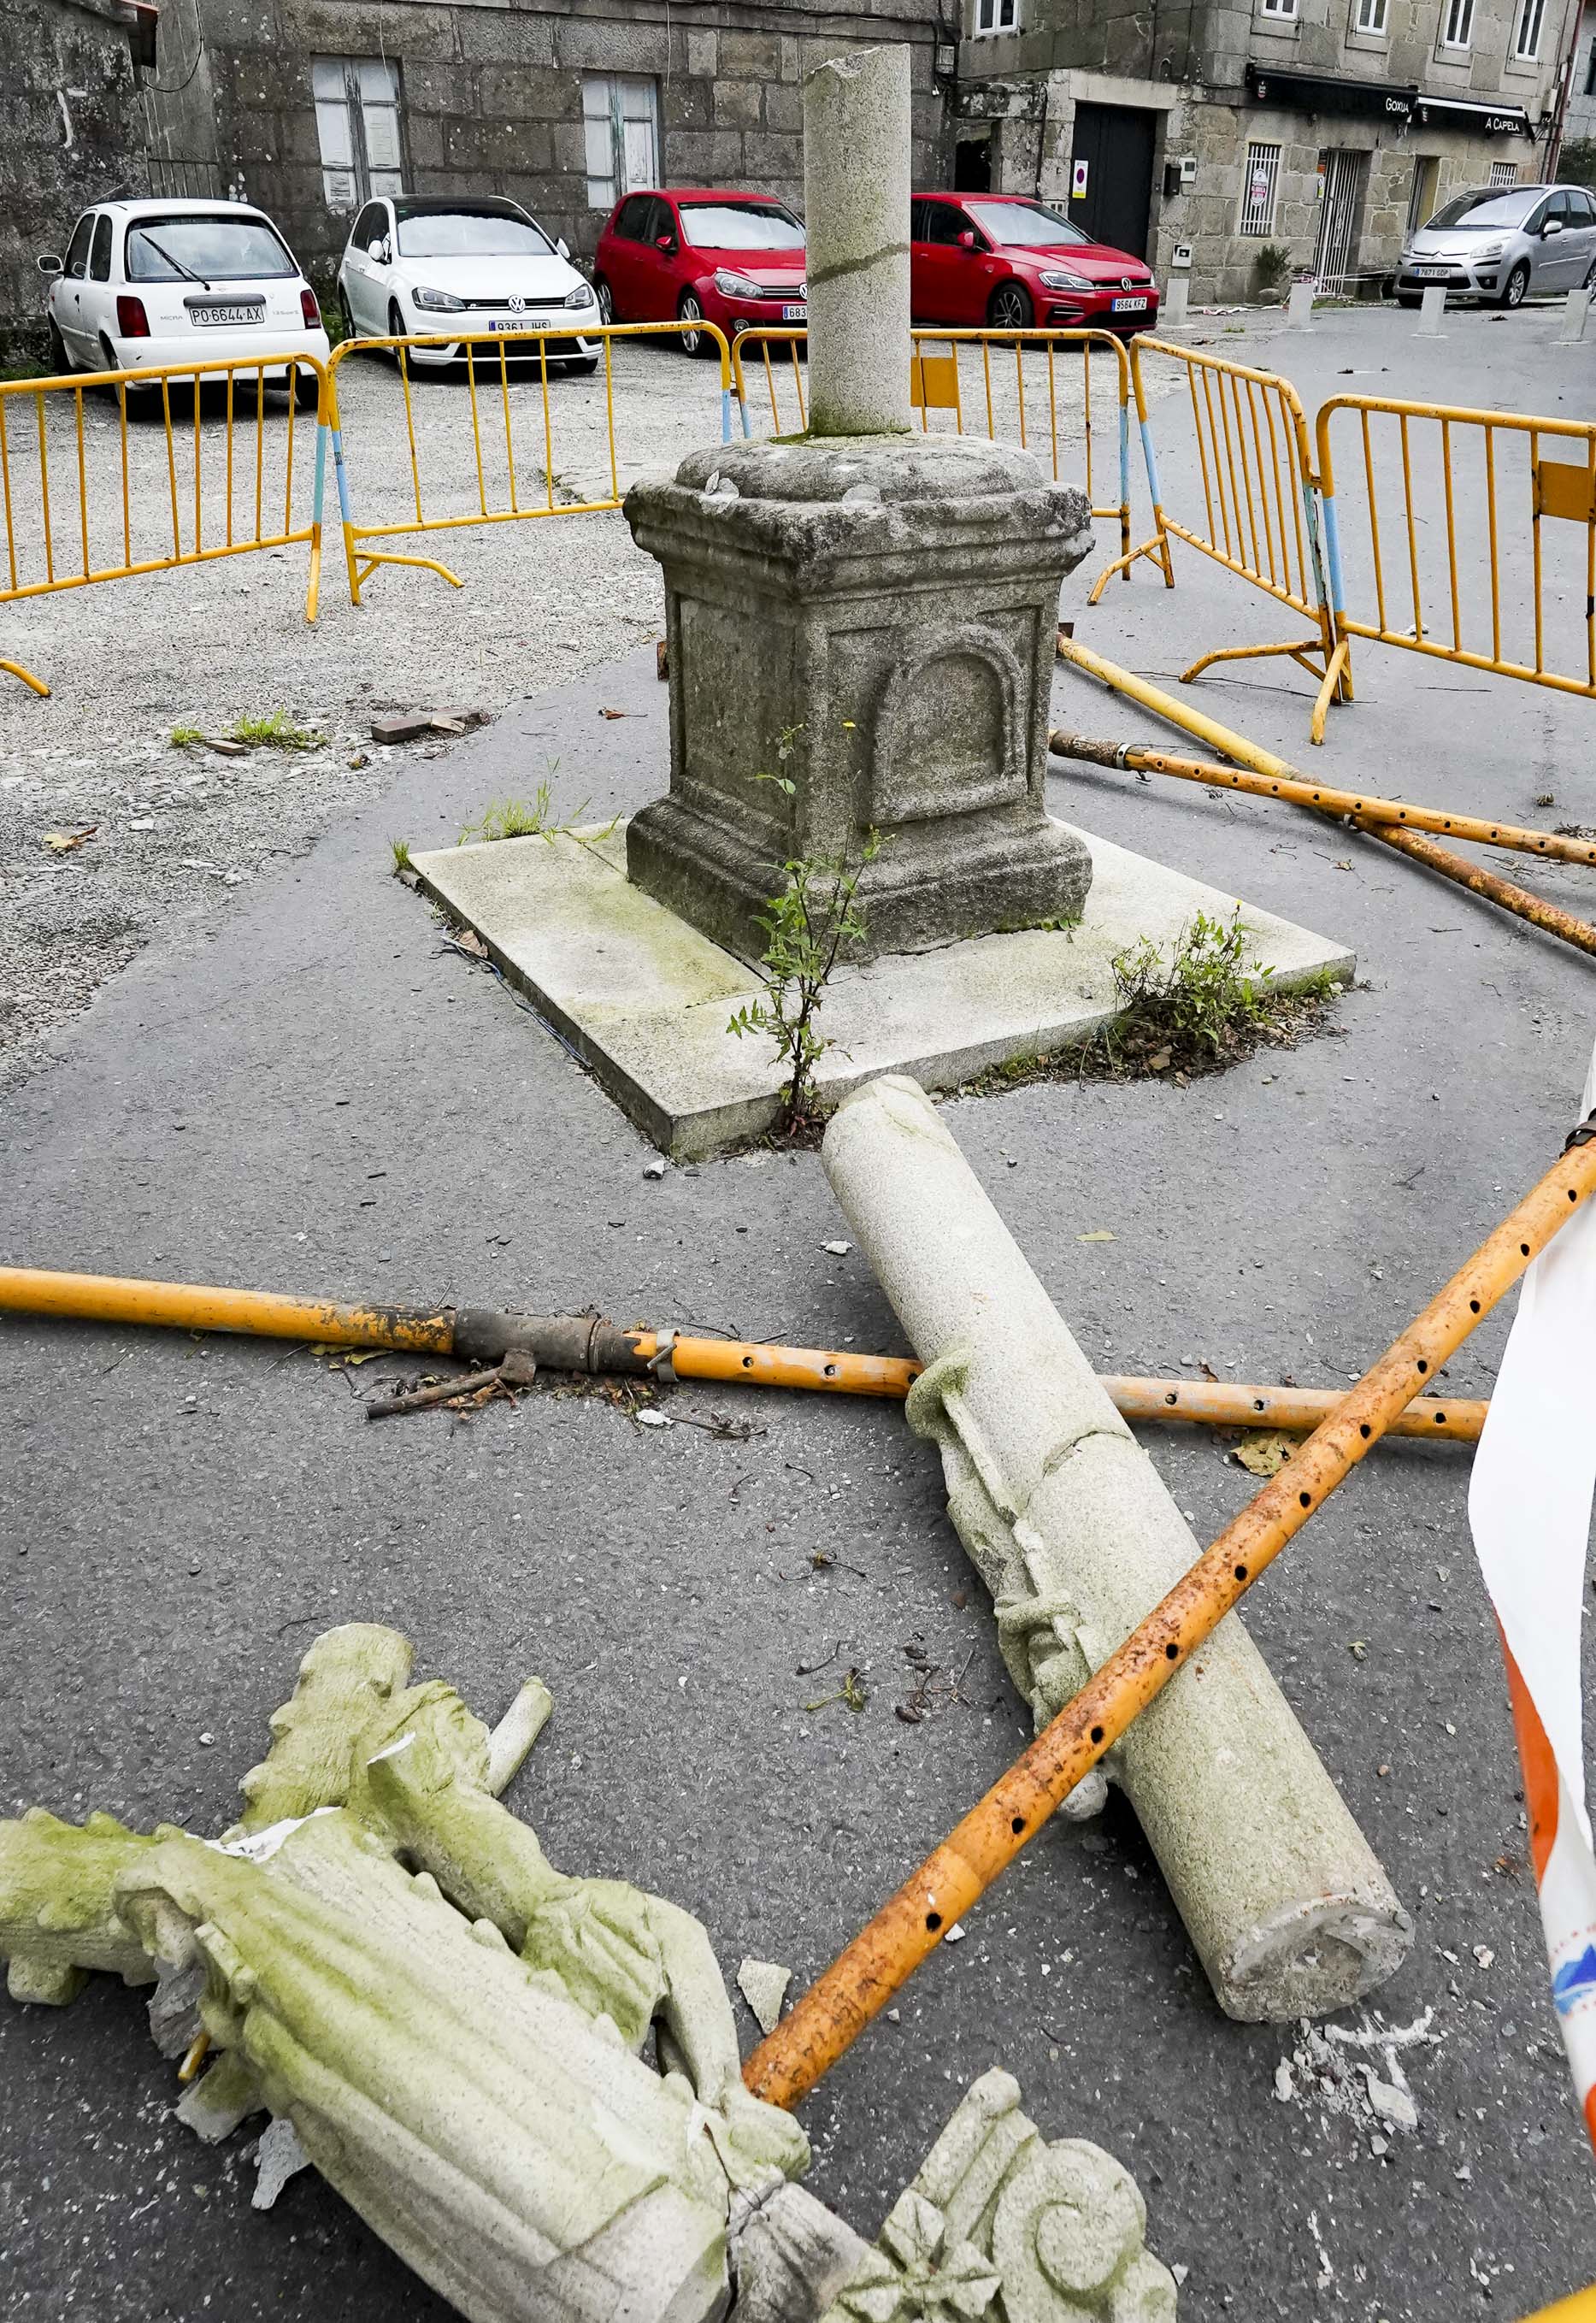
pixel 491 97
pixel 72 133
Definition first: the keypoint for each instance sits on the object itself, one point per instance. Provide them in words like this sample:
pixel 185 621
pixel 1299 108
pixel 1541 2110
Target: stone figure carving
pixel 380 1956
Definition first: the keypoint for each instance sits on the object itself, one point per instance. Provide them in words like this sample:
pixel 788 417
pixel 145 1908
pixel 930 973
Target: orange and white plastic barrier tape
pixel 1529 1508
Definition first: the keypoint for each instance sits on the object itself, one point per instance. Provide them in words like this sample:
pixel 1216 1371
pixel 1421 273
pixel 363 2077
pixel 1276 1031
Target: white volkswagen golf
pixel 422 266
pixel 148 284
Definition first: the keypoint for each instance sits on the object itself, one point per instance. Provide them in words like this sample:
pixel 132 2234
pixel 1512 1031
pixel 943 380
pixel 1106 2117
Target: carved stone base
pixel 861 638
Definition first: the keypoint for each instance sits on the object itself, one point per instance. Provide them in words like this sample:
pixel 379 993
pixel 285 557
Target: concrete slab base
pixel 645 1000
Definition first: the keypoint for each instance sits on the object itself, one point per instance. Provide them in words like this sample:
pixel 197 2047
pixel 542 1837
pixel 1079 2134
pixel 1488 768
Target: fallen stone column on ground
pixel 1076 1536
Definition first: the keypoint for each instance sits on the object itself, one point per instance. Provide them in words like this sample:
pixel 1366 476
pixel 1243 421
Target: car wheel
pixel 582 366
pixel 345 319
pixel 59 360
pixel 693 342
pixel 1515 285
pixel 307 389
pixel 1589 281
pixel 1010 309
pixel 606 298
pixel 396 326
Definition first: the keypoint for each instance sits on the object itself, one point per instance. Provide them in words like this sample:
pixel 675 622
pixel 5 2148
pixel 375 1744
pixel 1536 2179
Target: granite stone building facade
pixel 1203 136
pixel 309 106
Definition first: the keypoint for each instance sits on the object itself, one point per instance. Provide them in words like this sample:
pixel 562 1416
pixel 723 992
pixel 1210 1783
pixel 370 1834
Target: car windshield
pixel 1490 207
pixel 740 225
pixel 469 233
pixel 1025 226
pixel 215 249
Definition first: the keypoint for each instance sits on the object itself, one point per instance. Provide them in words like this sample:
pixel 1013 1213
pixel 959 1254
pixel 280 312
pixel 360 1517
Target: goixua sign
pixel 1335 93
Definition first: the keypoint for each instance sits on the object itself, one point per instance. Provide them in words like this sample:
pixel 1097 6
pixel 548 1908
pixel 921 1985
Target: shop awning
pixel 1467 113
pixel 1335 93
pixel 1306 92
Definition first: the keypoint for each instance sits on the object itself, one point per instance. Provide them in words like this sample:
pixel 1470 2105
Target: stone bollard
pixel 1073 1532
pixel 1176 298
pixel 1432 307
pixel 856 179
pixel 1299 307
pixel 1575 315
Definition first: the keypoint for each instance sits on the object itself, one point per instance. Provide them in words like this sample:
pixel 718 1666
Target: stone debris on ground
pixel 1329 2070
pixel 764 1986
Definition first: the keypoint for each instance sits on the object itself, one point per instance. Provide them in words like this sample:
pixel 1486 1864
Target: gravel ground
pixel 174 831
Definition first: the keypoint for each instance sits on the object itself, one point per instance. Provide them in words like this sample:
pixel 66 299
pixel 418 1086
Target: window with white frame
pixel 1369 16
pixel 997 15
pixel 357 128
pixel 1457 23
pixel 1527 37
pixel 1504 173
pixel 1258 190
pixel 620 123
pixel 1279 11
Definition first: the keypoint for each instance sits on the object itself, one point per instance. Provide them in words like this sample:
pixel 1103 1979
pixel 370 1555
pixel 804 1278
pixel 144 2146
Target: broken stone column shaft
pixel 1076 1537
pixel 857 146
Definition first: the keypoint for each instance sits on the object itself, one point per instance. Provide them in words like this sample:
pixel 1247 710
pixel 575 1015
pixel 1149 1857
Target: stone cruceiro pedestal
pixel 872 621
pixel 1071 1528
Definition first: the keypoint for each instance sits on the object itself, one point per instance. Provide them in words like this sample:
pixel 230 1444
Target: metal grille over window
pixel 1504 173
pixel 357 127
pixel 1258 190
pixel 620 124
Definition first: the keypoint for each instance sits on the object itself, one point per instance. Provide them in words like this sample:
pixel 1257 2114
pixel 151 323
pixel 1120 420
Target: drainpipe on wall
pixel 1574 16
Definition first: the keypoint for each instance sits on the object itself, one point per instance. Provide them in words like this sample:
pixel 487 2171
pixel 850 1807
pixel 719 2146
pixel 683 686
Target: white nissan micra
pixel 145 285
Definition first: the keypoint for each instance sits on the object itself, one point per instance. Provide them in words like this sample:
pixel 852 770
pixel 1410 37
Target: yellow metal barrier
pixel 1495 478
pixel 1010 405
pixel 69 477
pixel 1580 2308
pixel 1259 516
pixel 499 499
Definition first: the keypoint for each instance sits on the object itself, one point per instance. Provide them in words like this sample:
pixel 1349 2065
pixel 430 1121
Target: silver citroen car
pixel 1499 243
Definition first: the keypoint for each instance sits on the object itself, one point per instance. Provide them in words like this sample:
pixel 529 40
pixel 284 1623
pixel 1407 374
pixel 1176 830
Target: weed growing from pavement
pixel 807 921
pixel 512 818
pixel 1203 1007
pixel 181 735
pixel 402 865
pixel 275 731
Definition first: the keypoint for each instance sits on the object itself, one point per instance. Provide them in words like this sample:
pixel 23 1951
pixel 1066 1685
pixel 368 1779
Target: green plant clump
pixel 275 731
pixel 402 865
pixel 512 818
pixel 181 735
pixel 1205 1007
pixel 1272 266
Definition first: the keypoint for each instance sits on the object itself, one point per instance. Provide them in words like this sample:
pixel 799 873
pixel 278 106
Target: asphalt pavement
pixel 319 1095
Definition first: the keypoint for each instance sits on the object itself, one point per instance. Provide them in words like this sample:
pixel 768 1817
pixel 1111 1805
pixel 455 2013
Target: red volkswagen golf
pixel 1005 262
pixel 736 259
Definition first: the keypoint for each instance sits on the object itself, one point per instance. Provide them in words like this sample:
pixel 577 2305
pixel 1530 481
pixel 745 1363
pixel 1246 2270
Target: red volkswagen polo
pixel 1005 262
pixel 736 259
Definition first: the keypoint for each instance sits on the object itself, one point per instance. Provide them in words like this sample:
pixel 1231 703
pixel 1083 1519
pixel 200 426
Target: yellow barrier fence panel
pixel 1421 487
pixel 1258 514
pixel 1059 393
pixel 105 475
pixel 520 438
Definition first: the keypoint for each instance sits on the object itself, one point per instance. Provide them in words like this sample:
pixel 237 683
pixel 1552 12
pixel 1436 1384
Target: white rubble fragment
pixel 1391 2103
pixel 279 2157
pixel 1285 2082
pixel 838 1249
pixel 764 1986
